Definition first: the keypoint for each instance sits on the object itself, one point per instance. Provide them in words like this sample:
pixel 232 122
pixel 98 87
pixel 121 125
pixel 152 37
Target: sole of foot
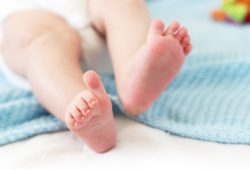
pixel 90 115
pixel 154 66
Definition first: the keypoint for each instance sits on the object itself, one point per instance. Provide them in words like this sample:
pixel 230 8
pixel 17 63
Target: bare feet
pixel 90 116
pixel 154 66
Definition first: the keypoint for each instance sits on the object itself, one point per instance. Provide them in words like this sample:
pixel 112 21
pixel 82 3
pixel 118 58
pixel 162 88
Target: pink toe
pixel 186 40
pixel 76 113
pixel 182 33
pixel 76 125
pixel 188 49
pixel 94 84
pixel 173 28
pixel 92 103
pixel 70 120
pixel 87 112
pixel 81 104
pixel 90 99
pixel 72 123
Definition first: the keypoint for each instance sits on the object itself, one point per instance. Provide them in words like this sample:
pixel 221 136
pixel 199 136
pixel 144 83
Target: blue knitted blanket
pixel 208 100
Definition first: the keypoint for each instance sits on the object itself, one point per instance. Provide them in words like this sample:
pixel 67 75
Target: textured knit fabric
pixel 208 100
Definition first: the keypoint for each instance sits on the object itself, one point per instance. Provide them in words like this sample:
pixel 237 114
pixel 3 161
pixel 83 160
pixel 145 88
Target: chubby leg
pixel 146 56
pixel 43 48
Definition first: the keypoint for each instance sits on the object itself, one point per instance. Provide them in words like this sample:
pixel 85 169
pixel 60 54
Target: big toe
pixel 94 84
pixel 156 28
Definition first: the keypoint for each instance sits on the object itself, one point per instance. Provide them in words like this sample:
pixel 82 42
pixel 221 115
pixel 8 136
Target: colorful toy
pixel 237 11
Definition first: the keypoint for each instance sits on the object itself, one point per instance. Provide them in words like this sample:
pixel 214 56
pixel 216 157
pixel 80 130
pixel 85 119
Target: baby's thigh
pixel 23 29
pixel 33 23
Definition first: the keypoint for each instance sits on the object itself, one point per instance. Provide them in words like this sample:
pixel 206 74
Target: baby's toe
pixel 156 28
pixel 70 120
pixel 86 113
pixel 188 49
pixel 90 100
pixel 173 28
pixel 185 41
pixel 76 113
pixel 183 32
pixel 81 104
pixel 95 86
pixel 74 123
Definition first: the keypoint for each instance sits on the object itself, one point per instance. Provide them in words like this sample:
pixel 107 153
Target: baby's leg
pixel 43 48
pixel 145 57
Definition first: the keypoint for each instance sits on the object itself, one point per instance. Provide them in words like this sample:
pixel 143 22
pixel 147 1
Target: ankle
pixel 128 98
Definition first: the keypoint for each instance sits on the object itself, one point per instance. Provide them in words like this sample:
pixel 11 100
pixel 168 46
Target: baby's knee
pixel 23 29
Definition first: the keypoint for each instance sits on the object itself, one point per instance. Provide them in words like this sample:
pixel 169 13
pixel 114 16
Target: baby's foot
pixel 90 116
pixel 154 66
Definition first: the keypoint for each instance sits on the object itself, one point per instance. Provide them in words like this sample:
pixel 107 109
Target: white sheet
pixel 138 147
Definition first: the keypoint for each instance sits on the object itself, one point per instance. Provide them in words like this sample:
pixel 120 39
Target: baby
pixel 45 49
